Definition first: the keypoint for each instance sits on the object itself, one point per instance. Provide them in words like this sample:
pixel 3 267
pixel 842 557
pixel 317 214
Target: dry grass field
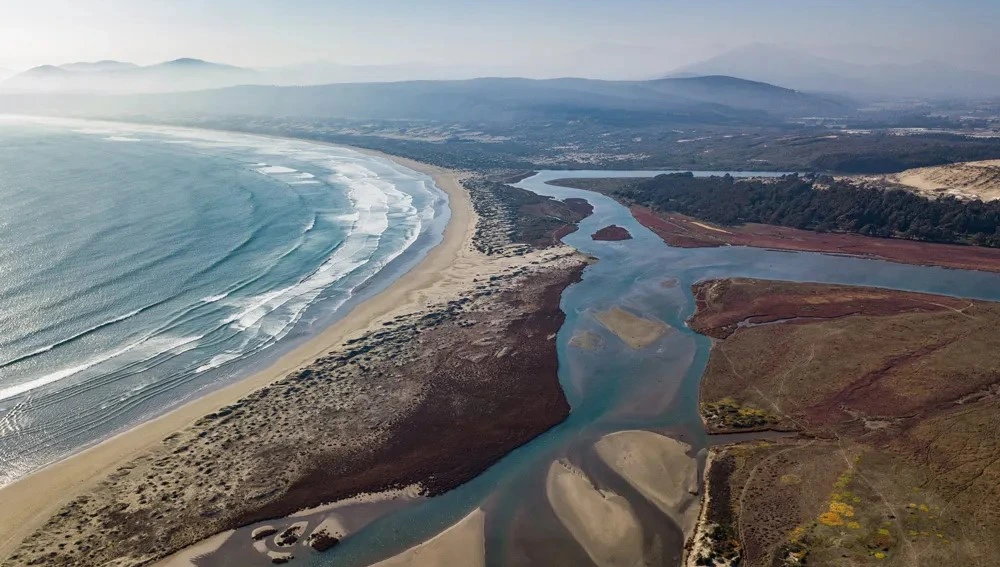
pixel 897 399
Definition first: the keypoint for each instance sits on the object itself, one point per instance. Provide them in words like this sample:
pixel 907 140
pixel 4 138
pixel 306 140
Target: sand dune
pixel 658 467
pixel 969 180
pixel 462 544
pixel 601 521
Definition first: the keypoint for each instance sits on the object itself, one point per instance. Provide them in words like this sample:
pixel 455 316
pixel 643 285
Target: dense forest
pixel 820 203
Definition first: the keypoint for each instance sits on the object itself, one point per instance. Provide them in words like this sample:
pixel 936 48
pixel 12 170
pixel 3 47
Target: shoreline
pixel 28 500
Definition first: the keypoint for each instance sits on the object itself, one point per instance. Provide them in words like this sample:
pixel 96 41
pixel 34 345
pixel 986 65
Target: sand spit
pixel 637 332
pixel 659 468
pixel 462 544
pixel 604 523
pixel 356 409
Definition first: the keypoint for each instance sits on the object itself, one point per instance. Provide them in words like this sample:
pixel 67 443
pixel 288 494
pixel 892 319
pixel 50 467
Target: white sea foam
pixel 217 361
pixel 375 201
pixel 122 139
pixel 214 298
pixel 269 169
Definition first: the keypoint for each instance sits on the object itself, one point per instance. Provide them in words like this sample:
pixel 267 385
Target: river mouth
pixel 612 387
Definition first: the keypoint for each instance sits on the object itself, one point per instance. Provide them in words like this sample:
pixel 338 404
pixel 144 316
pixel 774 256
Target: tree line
pixel 822 204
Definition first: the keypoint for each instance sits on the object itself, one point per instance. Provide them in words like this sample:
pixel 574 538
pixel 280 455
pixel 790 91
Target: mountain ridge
pixel 723 100
pixel 802 70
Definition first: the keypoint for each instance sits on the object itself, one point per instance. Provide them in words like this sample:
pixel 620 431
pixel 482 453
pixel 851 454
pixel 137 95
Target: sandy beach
pixel 29 502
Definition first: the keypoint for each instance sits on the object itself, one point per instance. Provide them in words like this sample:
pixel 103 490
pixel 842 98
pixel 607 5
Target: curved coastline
pixel 29 501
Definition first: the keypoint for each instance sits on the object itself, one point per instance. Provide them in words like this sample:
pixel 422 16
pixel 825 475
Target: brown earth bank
pixel 687 232
pixel 896 396
pixel 612 233
pixel 430 398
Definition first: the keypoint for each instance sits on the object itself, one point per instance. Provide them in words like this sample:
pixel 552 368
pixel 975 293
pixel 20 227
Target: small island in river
pixel 612 233
pixel 894 397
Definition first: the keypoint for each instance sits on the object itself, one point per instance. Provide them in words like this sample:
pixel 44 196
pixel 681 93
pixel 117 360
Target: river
pixel 615 388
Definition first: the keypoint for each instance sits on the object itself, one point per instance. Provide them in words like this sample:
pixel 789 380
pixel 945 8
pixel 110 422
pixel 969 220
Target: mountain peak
pixel 187 61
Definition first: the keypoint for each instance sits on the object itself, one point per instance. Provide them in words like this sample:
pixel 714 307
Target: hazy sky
pixel 530 35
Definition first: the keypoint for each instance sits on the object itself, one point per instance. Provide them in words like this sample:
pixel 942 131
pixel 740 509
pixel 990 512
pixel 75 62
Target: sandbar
pixel 658 467
pixel 602 522
pixel 637 332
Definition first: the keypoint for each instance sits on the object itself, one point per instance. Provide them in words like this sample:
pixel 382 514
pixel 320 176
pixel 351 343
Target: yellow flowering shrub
pixel 842 508
pixel 831 519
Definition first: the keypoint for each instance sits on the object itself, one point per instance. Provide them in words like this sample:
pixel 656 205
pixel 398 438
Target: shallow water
pixel 615 388
pixel 142 266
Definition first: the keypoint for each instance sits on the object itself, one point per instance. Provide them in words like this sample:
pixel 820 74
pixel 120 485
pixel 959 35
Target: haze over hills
pixel 99 66
pixel 118 77
pixel 703 100
pixel 853 70
pixel 121 77
pixel 799 69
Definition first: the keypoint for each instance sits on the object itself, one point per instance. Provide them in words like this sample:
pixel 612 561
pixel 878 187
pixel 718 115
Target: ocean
pixel 142 266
